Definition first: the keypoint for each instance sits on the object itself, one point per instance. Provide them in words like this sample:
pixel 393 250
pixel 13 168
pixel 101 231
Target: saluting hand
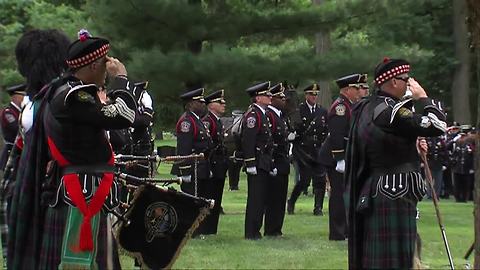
pixel 416 89
pixel 115 67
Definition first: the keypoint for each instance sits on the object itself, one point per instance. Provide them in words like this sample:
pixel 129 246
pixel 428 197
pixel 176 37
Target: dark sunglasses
pixel 405 79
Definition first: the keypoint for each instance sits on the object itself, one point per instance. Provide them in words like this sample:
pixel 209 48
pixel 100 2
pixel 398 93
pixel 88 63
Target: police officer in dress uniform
pixel 311 132
pixel 463 148
pixel 383 168
pixel 447 175
pixel 437 157
pixel 218 156
pixel 257 145
pixel 278 184
pixel 332 153
pixel 9 117
pixel 193 138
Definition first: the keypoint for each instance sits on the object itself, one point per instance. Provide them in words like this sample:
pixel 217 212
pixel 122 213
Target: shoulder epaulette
pixel 380 108
pixel 399 105
pixel 88 89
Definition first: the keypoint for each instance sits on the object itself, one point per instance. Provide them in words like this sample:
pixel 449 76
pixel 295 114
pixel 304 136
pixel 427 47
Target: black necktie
pixel 313 110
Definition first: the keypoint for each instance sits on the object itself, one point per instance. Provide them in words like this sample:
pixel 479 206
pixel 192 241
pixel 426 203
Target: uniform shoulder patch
pixel 9 117
pixel 185 126
pixel 84 96
pixel 251 122
pixel 404 112
pixel 340 109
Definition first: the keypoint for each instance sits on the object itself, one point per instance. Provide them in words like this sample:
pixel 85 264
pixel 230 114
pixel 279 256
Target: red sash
pixel 72 185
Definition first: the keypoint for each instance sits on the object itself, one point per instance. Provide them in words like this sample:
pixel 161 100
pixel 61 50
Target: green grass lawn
pixel 305 244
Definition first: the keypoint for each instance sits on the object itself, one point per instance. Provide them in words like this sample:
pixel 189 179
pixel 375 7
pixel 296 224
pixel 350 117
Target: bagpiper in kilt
pixel 383 168
pixel 69 145
pixel 38 64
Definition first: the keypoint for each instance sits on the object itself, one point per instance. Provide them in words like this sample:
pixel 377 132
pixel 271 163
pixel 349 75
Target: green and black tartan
pixel 55 224
pixel 390 231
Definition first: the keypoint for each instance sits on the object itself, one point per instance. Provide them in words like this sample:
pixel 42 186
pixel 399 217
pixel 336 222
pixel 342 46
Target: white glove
pixel 211 174
pixel 25 101
pixel 291 136
pixel 146 100
pixel 273 172
pixel 252 170
pixel 186 178
pixel 340 166
pixel 444 168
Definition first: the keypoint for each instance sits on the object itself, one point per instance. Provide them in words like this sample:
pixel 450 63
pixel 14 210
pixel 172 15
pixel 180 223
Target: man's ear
pixel 93 66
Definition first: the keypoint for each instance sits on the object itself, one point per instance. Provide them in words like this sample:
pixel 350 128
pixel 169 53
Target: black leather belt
pixel 77 169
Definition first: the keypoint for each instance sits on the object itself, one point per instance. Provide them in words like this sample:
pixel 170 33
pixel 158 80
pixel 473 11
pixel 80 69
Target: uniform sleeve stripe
pixel 435 108
pixel 124 110
pixel 439 124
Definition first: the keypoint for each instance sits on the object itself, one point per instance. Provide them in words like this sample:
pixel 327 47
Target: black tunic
pixel 381 159
pixel 333 150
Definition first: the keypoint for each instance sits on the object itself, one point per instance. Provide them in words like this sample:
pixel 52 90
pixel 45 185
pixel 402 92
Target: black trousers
pixel 204 190
pixel 211 221
pixel 256 201
pixel 307 173
pixel 463 186
pixel 234 173
pixel 447 184
pixel 275 205
pixel 336 206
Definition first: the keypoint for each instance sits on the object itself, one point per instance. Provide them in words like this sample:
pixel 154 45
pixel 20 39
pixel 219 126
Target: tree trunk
pixel 322 45
pixel 474 29
pixel 476 189
pixel 461 80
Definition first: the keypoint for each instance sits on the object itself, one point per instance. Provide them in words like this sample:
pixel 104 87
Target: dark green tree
pixel 19 16
pixel 181 44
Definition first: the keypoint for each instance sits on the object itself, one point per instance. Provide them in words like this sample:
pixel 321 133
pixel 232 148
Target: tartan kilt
pixel 55 222
pixel 390 233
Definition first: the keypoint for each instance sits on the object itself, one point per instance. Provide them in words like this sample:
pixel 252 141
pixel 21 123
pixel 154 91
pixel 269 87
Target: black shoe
pixel 305 192
pixel 317 212
pixel 233 188
pixel 337 239
pixel 275 234
pixel 290 207
pixel 253 237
